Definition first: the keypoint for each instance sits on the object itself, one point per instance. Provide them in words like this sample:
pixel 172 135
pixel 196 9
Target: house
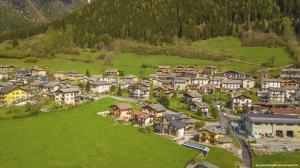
pixel 140 89
pixel 7 68
pixel 22 73
pixel 208 89
pixel 121 111
pixel 10 95
pixel 191 97
pixel 290 74
pixel 130 79
pixel 67 96
pixel 270 83
pixel 157 82
pixel 38 71
pixel 201 108
pixel 291 93
pixel 248 83
pixel 210 70
pixel 176 124
pixel 286 111
pixel 179 84
pixel 111 72
pixel 164 69
pixel 241 102
pixel 51 87
pixel 259 125
pixel 157 110
pixel 234 75
pixel 143 119
pixel 231 85
pixel 276 95
pixel 201 81
pixel 100 87
pixel 216 81
pixel 263 96
pixel 4 75
pixel 214 134
pixel 166 90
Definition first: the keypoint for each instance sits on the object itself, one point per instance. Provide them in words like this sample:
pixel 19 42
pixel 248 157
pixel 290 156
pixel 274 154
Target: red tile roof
pixel 288 111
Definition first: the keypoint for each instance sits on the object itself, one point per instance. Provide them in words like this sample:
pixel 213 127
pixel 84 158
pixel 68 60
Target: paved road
pixel 224 121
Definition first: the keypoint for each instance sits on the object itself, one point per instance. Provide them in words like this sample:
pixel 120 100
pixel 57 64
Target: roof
pixel 287 111
pixel 7 89
pixel 69 90
pixel 216 129
pixel 141 114
pixel 192 94
pixel 270 118
pixel 233 81
pixel 157 107
pixel 270 80
pixel 201 104
pixel 235 72
pixel 123 106
pixel 241 97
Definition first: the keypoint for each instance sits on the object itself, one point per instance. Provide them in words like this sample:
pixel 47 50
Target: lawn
pixel 224 158
pixel 291 158
pixel 233 46
pixel 78 137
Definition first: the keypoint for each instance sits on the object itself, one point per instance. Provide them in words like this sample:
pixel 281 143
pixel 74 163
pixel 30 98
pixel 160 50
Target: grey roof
pixel 179 80
pixel 217 129
pixel 192 94
pixel 176 120
pixel 69 90
pixel 6 89
pixel 270 80
pixel 201 104
pixel 156 107
pixel 51 84
pixel 241 97
pixel 233 81
pixel 270 118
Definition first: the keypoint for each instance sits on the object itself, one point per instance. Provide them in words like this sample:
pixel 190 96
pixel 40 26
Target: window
pixel 290 124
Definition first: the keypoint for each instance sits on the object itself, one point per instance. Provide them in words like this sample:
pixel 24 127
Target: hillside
pixel 15 14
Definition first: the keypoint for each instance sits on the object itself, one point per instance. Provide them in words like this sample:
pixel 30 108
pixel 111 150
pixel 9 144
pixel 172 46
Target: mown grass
pixel 282 158
pixel 78 137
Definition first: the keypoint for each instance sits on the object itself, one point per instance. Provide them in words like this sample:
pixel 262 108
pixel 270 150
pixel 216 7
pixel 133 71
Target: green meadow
pixel 78 137
pixel 283 158
pixel 247 59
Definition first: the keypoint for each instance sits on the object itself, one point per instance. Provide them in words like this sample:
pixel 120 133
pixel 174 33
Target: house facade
pixel 10 95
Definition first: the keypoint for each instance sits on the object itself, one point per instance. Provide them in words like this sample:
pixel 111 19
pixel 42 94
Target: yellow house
pixel 9 95
pixel 214 134
pixel 38 71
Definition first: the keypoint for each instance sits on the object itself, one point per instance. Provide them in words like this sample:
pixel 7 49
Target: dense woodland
pixel 160 21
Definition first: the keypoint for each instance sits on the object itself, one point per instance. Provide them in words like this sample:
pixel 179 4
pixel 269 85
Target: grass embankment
pixel 247 59
pixel 282 158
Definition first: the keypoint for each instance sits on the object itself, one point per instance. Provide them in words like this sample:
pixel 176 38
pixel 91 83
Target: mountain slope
pixel 26 11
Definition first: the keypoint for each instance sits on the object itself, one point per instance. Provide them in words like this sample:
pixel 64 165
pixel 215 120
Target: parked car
pixel 287 148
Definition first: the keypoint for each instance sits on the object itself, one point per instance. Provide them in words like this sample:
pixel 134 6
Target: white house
pixel 216 81
pixel 179 84
pixel 100 87
pixel 67 96
pixel 200 107
pixel 201 81
pixel 231 84
pixel 270 83
pixel 248 83
pixel 241 101
pixel 277 95
pixel 3 75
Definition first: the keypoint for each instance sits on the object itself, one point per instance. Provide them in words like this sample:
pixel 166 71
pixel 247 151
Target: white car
pixel 287 148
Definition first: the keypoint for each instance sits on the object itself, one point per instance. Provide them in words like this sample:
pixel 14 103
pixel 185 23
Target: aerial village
pixel 220 106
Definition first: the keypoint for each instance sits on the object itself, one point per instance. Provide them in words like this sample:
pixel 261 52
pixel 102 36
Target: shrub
pixel 31 60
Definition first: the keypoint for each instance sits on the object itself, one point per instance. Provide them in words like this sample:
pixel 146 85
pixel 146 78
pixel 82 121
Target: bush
pixel 31 60
pixel 147 130
pixel 262 39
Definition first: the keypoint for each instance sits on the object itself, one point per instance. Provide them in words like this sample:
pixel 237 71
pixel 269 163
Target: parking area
pixel 276 144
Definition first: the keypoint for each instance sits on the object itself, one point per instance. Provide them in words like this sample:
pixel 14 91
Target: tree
pixel 15 43
pixel 199 124
pixel 119 91
pixel 214 111
pixel 87 86
pixel 163 100
pixel 87 73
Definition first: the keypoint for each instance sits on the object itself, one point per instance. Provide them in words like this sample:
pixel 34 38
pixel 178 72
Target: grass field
pixel 80 138
pixel 283 158
pixel 234 47
pixel 132 63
